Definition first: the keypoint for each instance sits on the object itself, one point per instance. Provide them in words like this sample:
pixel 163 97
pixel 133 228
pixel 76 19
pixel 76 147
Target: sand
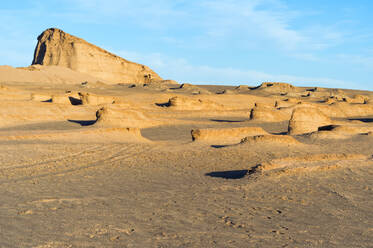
pixel 117 167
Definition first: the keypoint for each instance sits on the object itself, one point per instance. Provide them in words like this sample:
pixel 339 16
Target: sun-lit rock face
pixel 306 120
pixel 55 47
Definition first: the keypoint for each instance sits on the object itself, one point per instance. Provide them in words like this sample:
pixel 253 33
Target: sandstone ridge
pixel 55 47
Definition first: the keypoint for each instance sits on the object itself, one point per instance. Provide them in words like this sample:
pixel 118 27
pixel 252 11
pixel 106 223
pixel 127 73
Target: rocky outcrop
pixel 225 135
pixel 55 47
pixel 268 114
pixel 276 88
pixel 93 99
pixel 109 117
pixel 309 163
pixel 307 120
pixel 270 139
pixel 189 103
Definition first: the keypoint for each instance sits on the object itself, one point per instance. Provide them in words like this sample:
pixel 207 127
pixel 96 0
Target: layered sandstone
pixel 55 47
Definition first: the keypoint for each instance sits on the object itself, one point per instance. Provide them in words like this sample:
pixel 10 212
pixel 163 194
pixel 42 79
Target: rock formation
pixel 344 109
pixel 40 97
pixel 276 88
pixel 93 99
pixel 307 120
pixel 118 117
pixel 270 139
pixel 226 135
pixel 193 89
pixel 58 48
pixel 61 99
pixel 268 114
pixel 189 103
pixel 342 131
pixel 290 102
pixel 309 163
pixel 358 99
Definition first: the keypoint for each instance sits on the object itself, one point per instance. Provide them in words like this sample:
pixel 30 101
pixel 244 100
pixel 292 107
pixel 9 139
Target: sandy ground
pixel 66 183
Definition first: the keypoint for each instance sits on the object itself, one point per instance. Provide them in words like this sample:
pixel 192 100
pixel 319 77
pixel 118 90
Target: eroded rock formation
pixel 55 47
pixel 306 120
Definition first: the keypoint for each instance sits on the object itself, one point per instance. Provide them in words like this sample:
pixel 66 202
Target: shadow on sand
pixel 235 174
pixel 228 121
pixel 75 101
pixel 165 104
pixel 219 146
pixel 367 120
pixel 83 123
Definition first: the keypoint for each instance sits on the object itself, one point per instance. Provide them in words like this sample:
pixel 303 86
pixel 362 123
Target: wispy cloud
pixel 239 30
pixel 249 23
pixel 254 18
pixel 183 71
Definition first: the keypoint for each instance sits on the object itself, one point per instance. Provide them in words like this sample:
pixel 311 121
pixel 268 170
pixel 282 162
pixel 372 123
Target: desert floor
pixel 67 181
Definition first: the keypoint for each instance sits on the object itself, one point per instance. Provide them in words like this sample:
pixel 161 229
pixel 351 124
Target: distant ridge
pixel 55 47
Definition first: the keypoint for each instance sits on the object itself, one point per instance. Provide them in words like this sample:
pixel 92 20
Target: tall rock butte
pixel 55 47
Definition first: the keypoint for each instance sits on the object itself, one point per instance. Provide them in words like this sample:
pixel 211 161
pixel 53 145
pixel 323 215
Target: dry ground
pixel 64 186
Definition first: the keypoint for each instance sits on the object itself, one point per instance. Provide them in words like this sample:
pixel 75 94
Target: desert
pixel 99 151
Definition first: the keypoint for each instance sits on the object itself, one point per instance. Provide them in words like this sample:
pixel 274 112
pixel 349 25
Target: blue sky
pixel 309 43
